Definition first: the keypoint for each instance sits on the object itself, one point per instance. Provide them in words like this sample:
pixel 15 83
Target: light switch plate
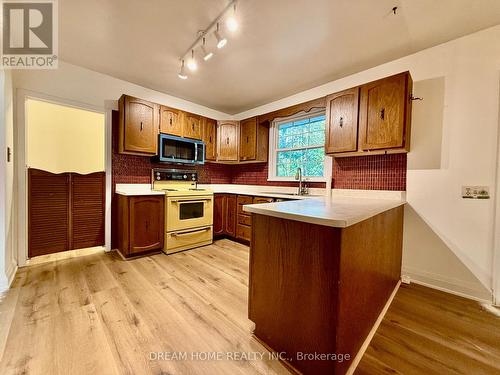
pixel 475 192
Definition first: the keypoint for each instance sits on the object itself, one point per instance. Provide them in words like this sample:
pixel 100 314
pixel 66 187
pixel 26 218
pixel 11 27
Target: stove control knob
pixel 185 177
pixel 158 178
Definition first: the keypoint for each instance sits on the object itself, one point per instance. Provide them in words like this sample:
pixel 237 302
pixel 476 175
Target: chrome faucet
pixel 298 177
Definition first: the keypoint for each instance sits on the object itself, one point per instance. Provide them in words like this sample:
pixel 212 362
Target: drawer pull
pixel 182 234
pixel 190 200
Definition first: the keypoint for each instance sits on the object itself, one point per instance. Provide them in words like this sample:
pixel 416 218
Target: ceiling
pixel 282 47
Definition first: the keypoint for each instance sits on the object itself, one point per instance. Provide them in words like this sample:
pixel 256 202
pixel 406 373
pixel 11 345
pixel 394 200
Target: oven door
pixel 189 212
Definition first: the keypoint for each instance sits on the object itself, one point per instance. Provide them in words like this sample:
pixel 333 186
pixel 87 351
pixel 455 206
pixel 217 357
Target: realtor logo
pixel 29 34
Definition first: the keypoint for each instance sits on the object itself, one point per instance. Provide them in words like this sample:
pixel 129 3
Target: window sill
pixel 285 179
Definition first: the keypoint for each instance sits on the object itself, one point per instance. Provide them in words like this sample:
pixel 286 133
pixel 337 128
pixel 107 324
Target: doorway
pixel 65 169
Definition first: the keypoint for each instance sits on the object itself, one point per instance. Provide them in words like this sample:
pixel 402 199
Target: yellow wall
pixel 64 139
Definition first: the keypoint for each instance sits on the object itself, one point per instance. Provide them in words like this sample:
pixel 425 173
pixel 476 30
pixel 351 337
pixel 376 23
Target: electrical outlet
pixel 475 192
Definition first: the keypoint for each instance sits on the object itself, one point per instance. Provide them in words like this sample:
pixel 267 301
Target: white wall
pixel 8 262
pixel 64 139
pixel 73 83
pixel 443 232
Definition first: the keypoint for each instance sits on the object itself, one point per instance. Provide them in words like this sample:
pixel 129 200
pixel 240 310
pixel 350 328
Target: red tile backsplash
pixel 376 172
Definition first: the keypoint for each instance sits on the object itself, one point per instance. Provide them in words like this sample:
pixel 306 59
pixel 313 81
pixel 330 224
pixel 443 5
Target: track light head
pixel 192 64
pixel 231 21
pixel 207 55
pixel 221 41
pixel 182 74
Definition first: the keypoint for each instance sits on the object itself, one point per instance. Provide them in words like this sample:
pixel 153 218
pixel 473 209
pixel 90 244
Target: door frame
pixel 20 136
pixel 496 225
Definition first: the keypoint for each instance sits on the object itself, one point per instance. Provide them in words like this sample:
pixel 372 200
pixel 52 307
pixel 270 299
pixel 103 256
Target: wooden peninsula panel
pixel 319 289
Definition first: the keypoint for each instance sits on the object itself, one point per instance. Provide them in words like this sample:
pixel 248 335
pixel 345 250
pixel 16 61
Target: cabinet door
pixel 146 223
pixel 192 126
pixel 248 139
pixel 219 213
pixel 383 109
pixel 209 134
pixel 227 143
pixel 140 126
pixel 342 121
pixel 230 219
pixel 170 121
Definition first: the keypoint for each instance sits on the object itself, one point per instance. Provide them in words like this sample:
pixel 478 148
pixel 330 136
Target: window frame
pixel 273 148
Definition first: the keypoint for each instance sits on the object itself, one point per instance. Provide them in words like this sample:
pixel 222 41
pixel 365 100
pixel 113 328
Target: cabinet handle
pixel 210 139
pixel 141 126
pixel 192 125
pixel 147 225
pixel 382 113
pixel 341 122
pixel 170 120
pixel 247 139
pixel 227 140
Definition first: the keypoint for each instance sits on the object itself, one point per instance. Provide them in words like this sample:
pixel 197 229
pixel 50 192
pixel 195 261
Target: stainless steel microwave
pixel 172 149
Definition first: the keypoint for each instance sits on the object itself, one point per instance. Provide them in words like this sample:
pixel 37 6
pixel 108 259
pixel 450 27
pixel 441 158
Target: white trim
pixel 496 227
pixel 446 284
pixel 20 159
pixel 371 334
pixel 273 147
pixel 108 123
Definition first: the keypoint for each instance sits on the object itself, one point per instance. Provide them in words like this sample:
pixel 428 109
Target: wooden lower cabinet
pixel 140 224
pixel 230 215
pixel 229 218
pixel 336 289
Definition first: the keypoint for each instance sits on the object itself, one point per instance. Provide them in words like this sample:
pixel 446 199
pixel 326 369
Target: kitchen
pixel 343 227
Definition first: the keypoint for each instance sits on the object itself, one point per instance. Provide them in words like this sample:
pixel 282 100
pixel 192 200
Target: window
pixel 298 141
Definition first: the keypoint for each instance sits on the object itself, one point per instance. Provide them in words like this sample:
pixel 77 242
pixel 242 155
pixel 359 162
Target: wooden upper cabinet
pixel 248 139
pixel 385 110
pixel 209 137
pixel 254 140
pixel 139 125
pixel 171 121
pixel 342 121
pixel 192 126
pixel 227 141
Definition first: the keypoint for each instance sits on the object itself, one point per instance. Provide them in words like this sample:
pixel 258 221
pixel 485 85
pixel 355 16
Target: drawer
pixel 243 232
pixel 257 200
pixel 187 239
pixel 242 200
pixel 245 220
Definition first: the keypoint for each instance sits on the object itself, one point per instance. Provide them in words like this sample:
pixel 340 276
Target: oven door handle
pixel 188 233
pixel 190 200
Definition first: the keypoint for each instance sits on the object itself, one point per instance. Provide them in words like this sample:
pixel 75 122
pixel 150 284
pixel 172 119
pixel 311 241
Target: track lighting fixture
pixel 191 64
pixel 223 19
pixel 181 74
pixel 207 55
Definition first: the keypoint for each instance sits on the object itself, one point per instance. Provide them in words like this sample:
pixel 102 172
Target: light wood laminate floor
pixel 98 314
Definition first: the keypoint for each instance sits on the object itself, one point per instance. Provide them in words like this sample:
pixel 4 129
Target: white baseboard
pixel 7 279
pixel 366 343
pixel 448 285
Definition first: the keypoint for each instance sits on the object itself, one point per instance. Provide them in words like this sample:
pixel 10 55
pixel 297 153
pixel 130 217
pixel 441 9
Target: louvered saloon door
pixel 65 211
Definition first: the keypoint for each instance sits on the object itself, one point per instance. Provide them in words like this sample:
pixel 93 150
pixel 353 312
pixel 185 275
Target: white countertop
pixel 261 191
pixel 338 211
pixel 344 207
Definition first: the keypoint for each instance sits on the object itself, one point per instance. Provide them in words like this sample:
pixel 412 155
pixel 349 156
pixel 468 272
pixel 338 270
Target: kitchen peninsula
pixel 321 273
